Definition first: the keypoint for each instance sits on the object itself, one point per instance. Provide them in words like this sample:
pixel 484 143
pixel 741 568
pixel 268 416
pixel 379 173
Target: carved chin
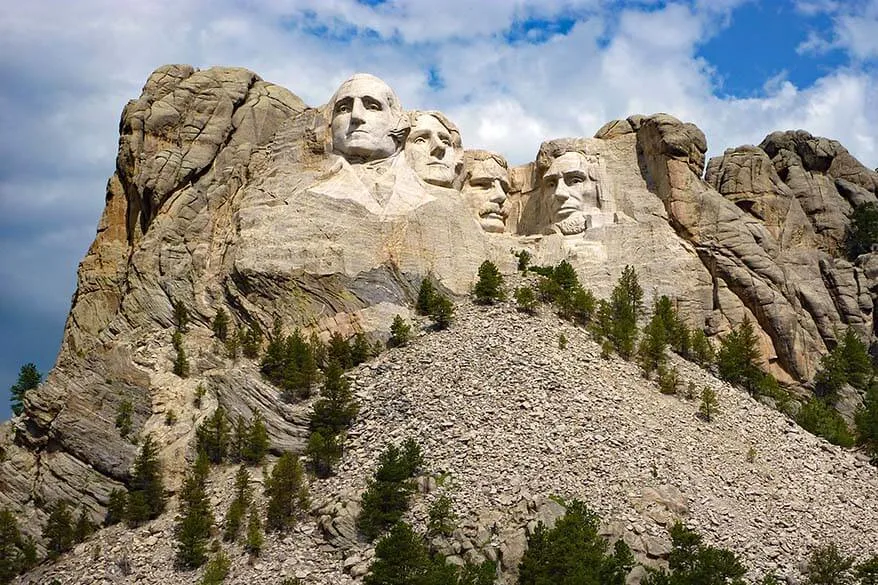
pixel 574 224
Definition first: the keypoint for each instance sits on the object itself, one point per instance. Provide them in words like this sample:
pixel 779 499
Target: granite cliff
pixel 231 193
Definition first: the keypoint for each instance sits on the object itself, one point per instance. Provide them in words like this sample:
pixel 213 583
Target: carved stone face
pixel 485 190
pixel 365 112
pixel 572 192
pixel 433 151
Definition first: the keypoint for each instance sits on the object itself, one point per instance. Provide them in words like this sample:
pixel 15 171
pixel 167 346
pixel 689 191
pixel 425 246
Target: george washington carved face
pixel 366 115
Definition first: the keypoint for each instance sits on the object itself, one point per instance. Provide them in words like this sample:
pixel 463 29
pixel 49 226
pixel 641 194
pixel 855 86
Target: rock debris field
pixel 509 422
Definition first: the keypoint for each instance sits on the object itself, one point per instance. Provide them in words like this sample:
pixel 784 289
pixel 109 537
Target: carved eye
pixel 420 140
pixel 551 183
pixel 372 105
pixel 574 180
pixel 342 108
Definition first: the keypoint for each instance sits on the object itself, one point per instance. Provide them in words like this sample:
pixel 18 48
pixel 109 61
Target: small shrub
pixel 751 455
pixel 692 562
pixel 217 570
pixel 441 517
pixel 525 299
pixel 199 395
pixel 170 418
pixel 400 332
pixel 123 417
pixel 442 312
pixel 489 288
pixel 220 324
pixel 562 341
pixel 287 493
pixel 668 379
pixel 254 532
pixel 59 530
pixel 181 316
pixel 426 295
pixel 524 259
pixel 862 233
pixel 827 566
pixel 709 404
pixel 821 419
pixel 181 362
pixel 867 571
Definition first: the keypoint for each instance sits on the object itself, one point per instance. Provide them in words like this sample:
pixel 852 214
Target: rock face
pixel 230 193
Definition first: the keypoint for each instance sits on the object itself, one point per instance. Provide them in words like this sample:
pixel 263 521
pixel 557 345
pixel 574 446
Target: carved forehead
pixel 436 121
pixel 567 162
pixel 363 84
pixel 487 168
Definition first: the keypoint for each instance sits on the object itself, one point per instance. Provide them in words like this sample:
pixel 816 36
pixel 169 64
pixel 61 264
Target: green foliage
pixel 426 295
pixel 199 395
pixel 213 436
pixel 28 379
pixel 195 519
pixel 709 404
pixel 400 332
pixel 257 441
pixel 560 286
pixel 821 419
pixel 617 318
pixel 123 417
pixel 289 363
pixel 254 532
pixel 700 350
pixel 170 418
pixel 738 358
pixel 116 507
pixel 386 497
pixel 83 528
pixel 339 351
pixel 526 299
pixel 847 363
pixel 665 328
pixel 323 453
pixel 287 493
pixel 867 420
pixel 17 554
pixel 668 380
pixel 573 552
pixel 217 570
pixel 146 498
pixel 331 416
pixel 867 571
pixel 402 558
pixel 489 288
pixel 524 259
pixel 442 312
pixel 220 324
pixel 238 507
pixel 181 362
pixel 862 232
pixel 181 317
pixel 441 517
pixel 58 531
pixel 251 340
pixel 694 563
pixel 827 566
pixel 562 341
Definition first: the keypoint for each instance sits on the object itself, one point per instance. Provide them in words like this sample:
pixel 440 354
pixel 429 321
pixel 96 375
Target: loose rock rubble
pixel 510 425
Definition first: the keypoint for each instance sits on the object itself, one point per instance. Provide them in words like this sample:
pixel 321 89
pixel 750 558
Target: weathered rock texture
pixel 227 195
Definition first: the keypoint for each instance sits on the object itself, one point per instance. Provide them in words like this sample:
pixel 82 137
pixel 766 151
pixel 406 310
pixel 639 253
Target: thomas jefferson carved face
pixel 572 190
pixel 485 189
pixel 365 115
pixel 433 149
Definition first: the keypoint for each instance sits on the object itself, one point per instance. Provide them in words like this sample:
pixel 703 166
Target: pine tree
pixel 738 357
pixel 195 519
pixel 272 366
pixel 426 294
pixel 618 317
pixel 287 493
pixel 827 566
pixel 526 299
pixel 251 340
pixel 123 417
pixel 336 409
pixel 239 506
pixel 254 532
pixel 58 531
pixel 116 507
pixel 257 441
pixel 83 528
pixel 213 436
pixel 299 368
pixel 489 288
pixel 28 379
pixel 11 555
pixel 400 331
pixel 339 351
pixel 181 363
pixel 709 404
pixel 862 232
pixel 387 496
pixel 220 324
pixel 181 316
pixel 240 436
pixel 146 499
pixel 867 420
pixel 442 312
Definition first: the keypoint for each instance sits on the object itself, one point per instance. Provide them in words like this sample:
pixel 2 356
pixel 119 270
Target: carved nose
pixel 437 149
pixel 498 196
pixel 357 112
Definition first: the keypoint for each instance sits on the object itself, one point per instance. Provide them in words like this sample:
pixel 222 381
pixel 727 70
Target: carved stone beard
pixel 573 224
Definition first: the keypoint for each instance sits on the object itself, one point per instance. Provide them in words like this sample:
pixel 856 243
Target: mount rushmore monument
pixel 231 193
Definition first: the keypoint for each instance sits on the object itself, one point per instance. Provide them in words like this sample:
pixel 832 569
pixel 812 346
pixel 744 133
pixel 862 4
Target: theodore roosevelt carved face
pixel 571 184
pixel 433 148
pixel 485 187
pixel 366 119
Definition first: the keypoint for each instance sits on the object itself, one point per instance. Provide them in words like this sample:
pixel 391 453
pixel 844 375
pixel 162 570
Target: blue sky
pixel 510 73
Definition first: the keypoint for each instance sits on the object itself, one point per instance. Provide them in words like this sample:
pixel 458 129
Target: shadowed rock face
pixel 231 193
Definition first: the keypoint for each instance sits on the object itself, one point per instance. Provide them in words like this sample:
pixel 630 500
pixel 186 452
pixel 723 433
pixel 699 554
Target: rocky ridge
pixel 507 420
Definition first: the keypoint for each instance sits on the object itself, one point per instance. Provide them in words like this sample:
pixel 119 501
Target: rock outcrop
pixel 231 193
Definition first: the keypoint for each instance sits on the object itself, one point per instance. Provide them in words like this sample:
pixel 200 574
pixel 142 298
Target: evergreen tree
pixel 217 569
pixel 709 404
pixel 443 312
pixel 11 555
pixel 862 232
pixel 146 499
pixel 28 379
pixel 181 363
pixel 426 295
pixel 116 507
pixel 336 409
pixel 213 436
pixel 233 345
pixel 386 497
pixel 573 552
pixel 181 316
pixel 867 571
pixel 339 351
pixel 821 419
pixel 867 420
pixel 400 331
pixel 489 288
pixel 83 528
pixel 220 324
pixel 700 350
pixel 299 368
pixel 524 258
pixel 827 566
pixel 272 366
pixel 361 349
pixel 318 350
pixel 287 493
pixel 239 506
pixel 847 363
pixel 257 441
pixel 526 299
pixel 123 417
pixel 58 531
pixel 254 532
pixel 251 340
pixel 240 438
pixel 694 563
pixel 738 357
pixel 617 317
pixel 195 518
pixel 323 453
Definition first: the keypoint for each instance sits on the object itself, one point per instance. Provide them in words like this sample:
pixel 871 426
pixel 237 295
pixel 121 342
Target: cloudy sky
pixel 511 73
